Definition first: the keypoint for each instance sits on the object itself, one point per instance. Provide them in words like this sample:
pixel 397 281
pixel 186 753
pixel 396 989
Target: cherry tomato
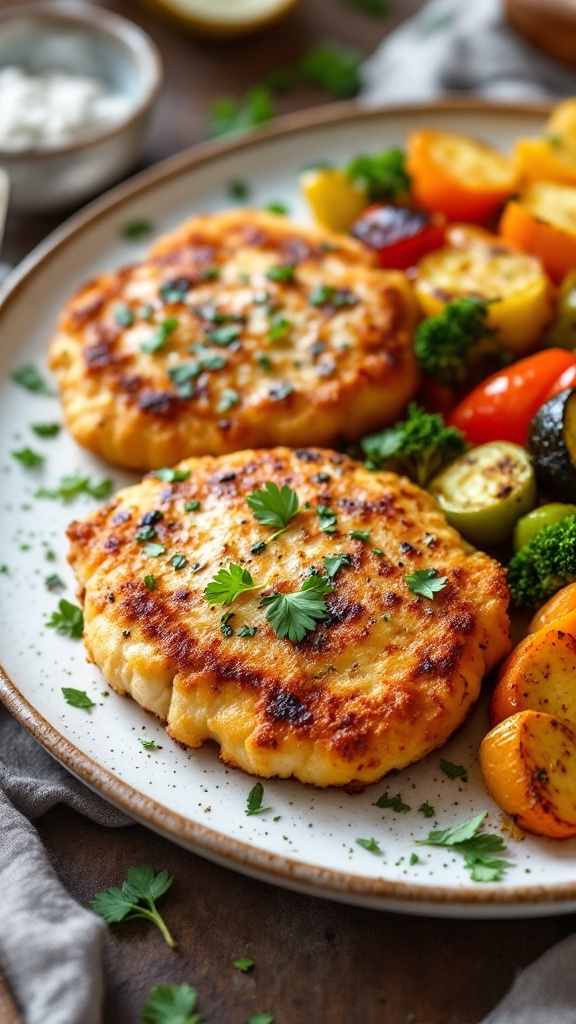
pixel 565 380
pixel 400 235
pixel 502 406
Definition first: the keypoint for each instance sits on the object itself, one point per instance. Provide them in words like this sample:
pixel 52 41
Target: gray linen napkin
pixel 50 947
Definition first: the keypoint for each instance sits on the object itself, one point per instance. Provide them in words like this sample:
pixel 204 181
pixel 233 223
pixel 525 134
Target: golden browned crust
pixel 385 679
pixel 294 371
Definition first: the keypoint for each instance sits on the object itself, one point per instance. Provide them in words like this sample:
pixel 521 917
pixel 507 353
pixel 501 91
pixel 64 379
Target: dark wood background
pixel 317 962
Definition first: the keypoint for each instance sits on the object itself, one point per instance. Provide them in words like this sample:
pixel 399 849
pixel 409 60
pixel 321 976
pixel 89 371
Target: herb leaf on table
pixel 125 904
pixel 171 1004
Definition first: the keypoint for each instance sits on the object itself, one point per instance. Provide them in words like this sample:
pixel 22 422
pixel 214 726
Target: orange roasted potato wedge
pixel 539 675
pixel 560 604
pixel 529 767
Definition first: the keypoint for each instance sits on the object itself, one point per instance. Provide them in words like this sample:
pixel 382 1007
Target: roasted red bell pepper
pixel 400 235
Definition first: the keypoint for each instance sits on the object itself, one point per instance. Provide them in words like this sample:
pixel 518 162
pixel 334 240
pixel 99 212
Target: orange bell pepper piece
pixel 542 221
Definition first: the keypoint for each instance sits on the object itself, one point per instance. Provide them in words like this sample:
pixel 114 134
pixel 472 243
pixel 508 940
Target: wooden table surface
pixel 317 962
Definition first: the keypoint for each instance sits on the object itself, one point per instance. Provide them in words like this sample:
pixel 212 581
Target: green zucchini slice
pixel 484 492
pixel 552 444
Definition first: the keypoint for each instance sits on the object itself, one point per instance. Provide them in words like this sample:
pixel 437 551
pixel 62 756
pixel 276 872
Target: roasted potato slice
pixel 529 767
pixel 540 674
pixel 562 603
pixel 542 221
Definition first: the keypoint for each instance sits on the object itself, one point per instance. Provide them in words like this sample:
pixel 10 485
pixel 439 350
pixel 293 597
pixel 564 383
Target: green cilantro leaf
pixel 228 584
pixel 427 810
pixel 333 564
pixel 244 964
pixel 171 1004
pixel 77 698
pixel 172 476
pixel 68 620
pixel 230 115
pixel 328 519
pixel 426 582
pixel 46 429
pixel 478 849
pixel 141 886
pixel 28 458
pixel 454 771
pixel 254 801
pixel 160 336
pixel 137 229
pixel 333 67
pixel 274 506
pixel 71 486
pixel 395 803
pixel 294 615
pixel 31 379
pixel 370 844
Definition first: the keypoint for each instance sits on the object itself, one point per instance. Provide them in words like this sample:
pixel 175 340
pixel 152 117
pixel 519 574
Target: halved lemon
pixel 220 18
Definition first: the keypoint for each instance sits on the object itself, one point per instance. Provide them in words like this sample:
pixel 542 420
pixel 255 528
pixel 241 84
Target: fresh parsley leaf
pixel 146 533
pixel 230 115
pixel 427 810
pixel 211 273
pixel 395 803
pixel 46 429
pixel 225 627
pixel 247 630
pixel 294 615
pixel 264 362
pixel 150 582
pixel 171 1004
pixel 282 272
pixel 183 376
pixel 274 506
pixel 370 844
pixel 137 229
pixel 333 67
pixel 224 335
pixel 228 399
pixel 244 964
pixel 178 561
pixel 160 336
pixel 141 886
pixel 191 506
pixel 28 458
pixel 478 849
pixel 31 379
pixel 71 486
pixel 53 583
pixel 414 859
pixel 123 315
pixel 254 801
pixel 175 291
pixel 333 564
pixel 456 833
pixel 279 327
pixel 426 582
pixel 228 584
pixel 363 535
pixel 154 550
pixel 68 620
pixel 172 476
pixel 328 519
pixel 261 1018
pixel 277 207
pixel 239 191
pixel 382 175
pixel 148 744
pixel 77 698
pixel 454 771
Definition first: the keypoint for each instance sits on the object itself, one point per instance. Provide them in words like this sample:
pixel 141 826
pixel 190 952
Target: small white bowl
pixel 84 40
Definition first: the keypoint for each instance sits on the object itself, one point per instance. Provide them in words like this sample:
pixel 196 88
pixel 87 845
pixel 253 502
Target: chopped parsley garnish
pixel 228 399
pixel 150 582
pixel 183 375
pixel 229 115
pixel 277 207
pixel 77 698
pixel 281 391
pixel 382 175
pixel 123 315
pixel 137 229
pixel 154 550
pixel 146 533
pixel 327 295
pixel 333 564
pixel 369 844
pixel 178 561
pixel 454 771
pixel 258 548
pixel 28 458
pixel 68 620
pixel 477 848
pixel 363 535
pixel 279 327
pixel 171 1004
pixel 174 291
pixel 148 744
pixel 160 336
pixel 333 67
pixel 71 486
pixel 191 506
pixel 426 582
pixel 228 584
pixel 378 552
pixel 427 810
pixel 328 519
pixel 244 964
pixel 172 476
pixel 283 272
pixel 264 362
pixel 211 273
pixel 274 506
pixel 254 801
pixel 225 628
pixel 395 803
pixel 224 335
pixel 31 379
pixel 141 886
pixel 414 859
pixel 247 630
pixel 293 615
pixel 46 429
pixel 53 583
pixel 239 191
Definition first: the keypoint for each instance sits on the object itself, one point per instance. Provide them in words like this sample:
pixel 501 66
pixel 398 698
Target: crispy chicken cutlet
pixel 238 330
pixel 266 600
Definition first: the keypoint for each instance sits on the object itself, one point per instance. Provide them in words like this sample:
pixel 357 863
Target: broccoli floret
pixel 544 565
pixel 383 175
pixel 448 345
pixel 419 446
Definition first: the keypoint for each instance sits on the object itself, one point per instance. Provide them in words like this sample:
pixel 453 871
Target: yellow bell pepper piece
pixel 553 156
pixel 335 200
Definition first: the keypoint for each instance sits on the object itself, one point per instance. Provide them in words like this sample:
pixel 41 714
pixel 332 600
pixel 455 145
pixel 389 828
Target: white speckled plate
pixel 307 840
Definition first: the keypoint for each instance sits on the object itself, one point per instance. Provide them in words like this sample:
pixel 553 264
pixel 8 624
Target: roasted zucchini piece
pixel 484 492
pixel 552 445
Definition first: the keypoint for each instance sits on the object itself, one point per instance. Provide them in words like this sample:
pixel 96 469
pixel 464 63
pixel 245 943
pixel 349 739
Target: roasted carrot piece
pixel 529 767
pixel 562 603
pixel 539 675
